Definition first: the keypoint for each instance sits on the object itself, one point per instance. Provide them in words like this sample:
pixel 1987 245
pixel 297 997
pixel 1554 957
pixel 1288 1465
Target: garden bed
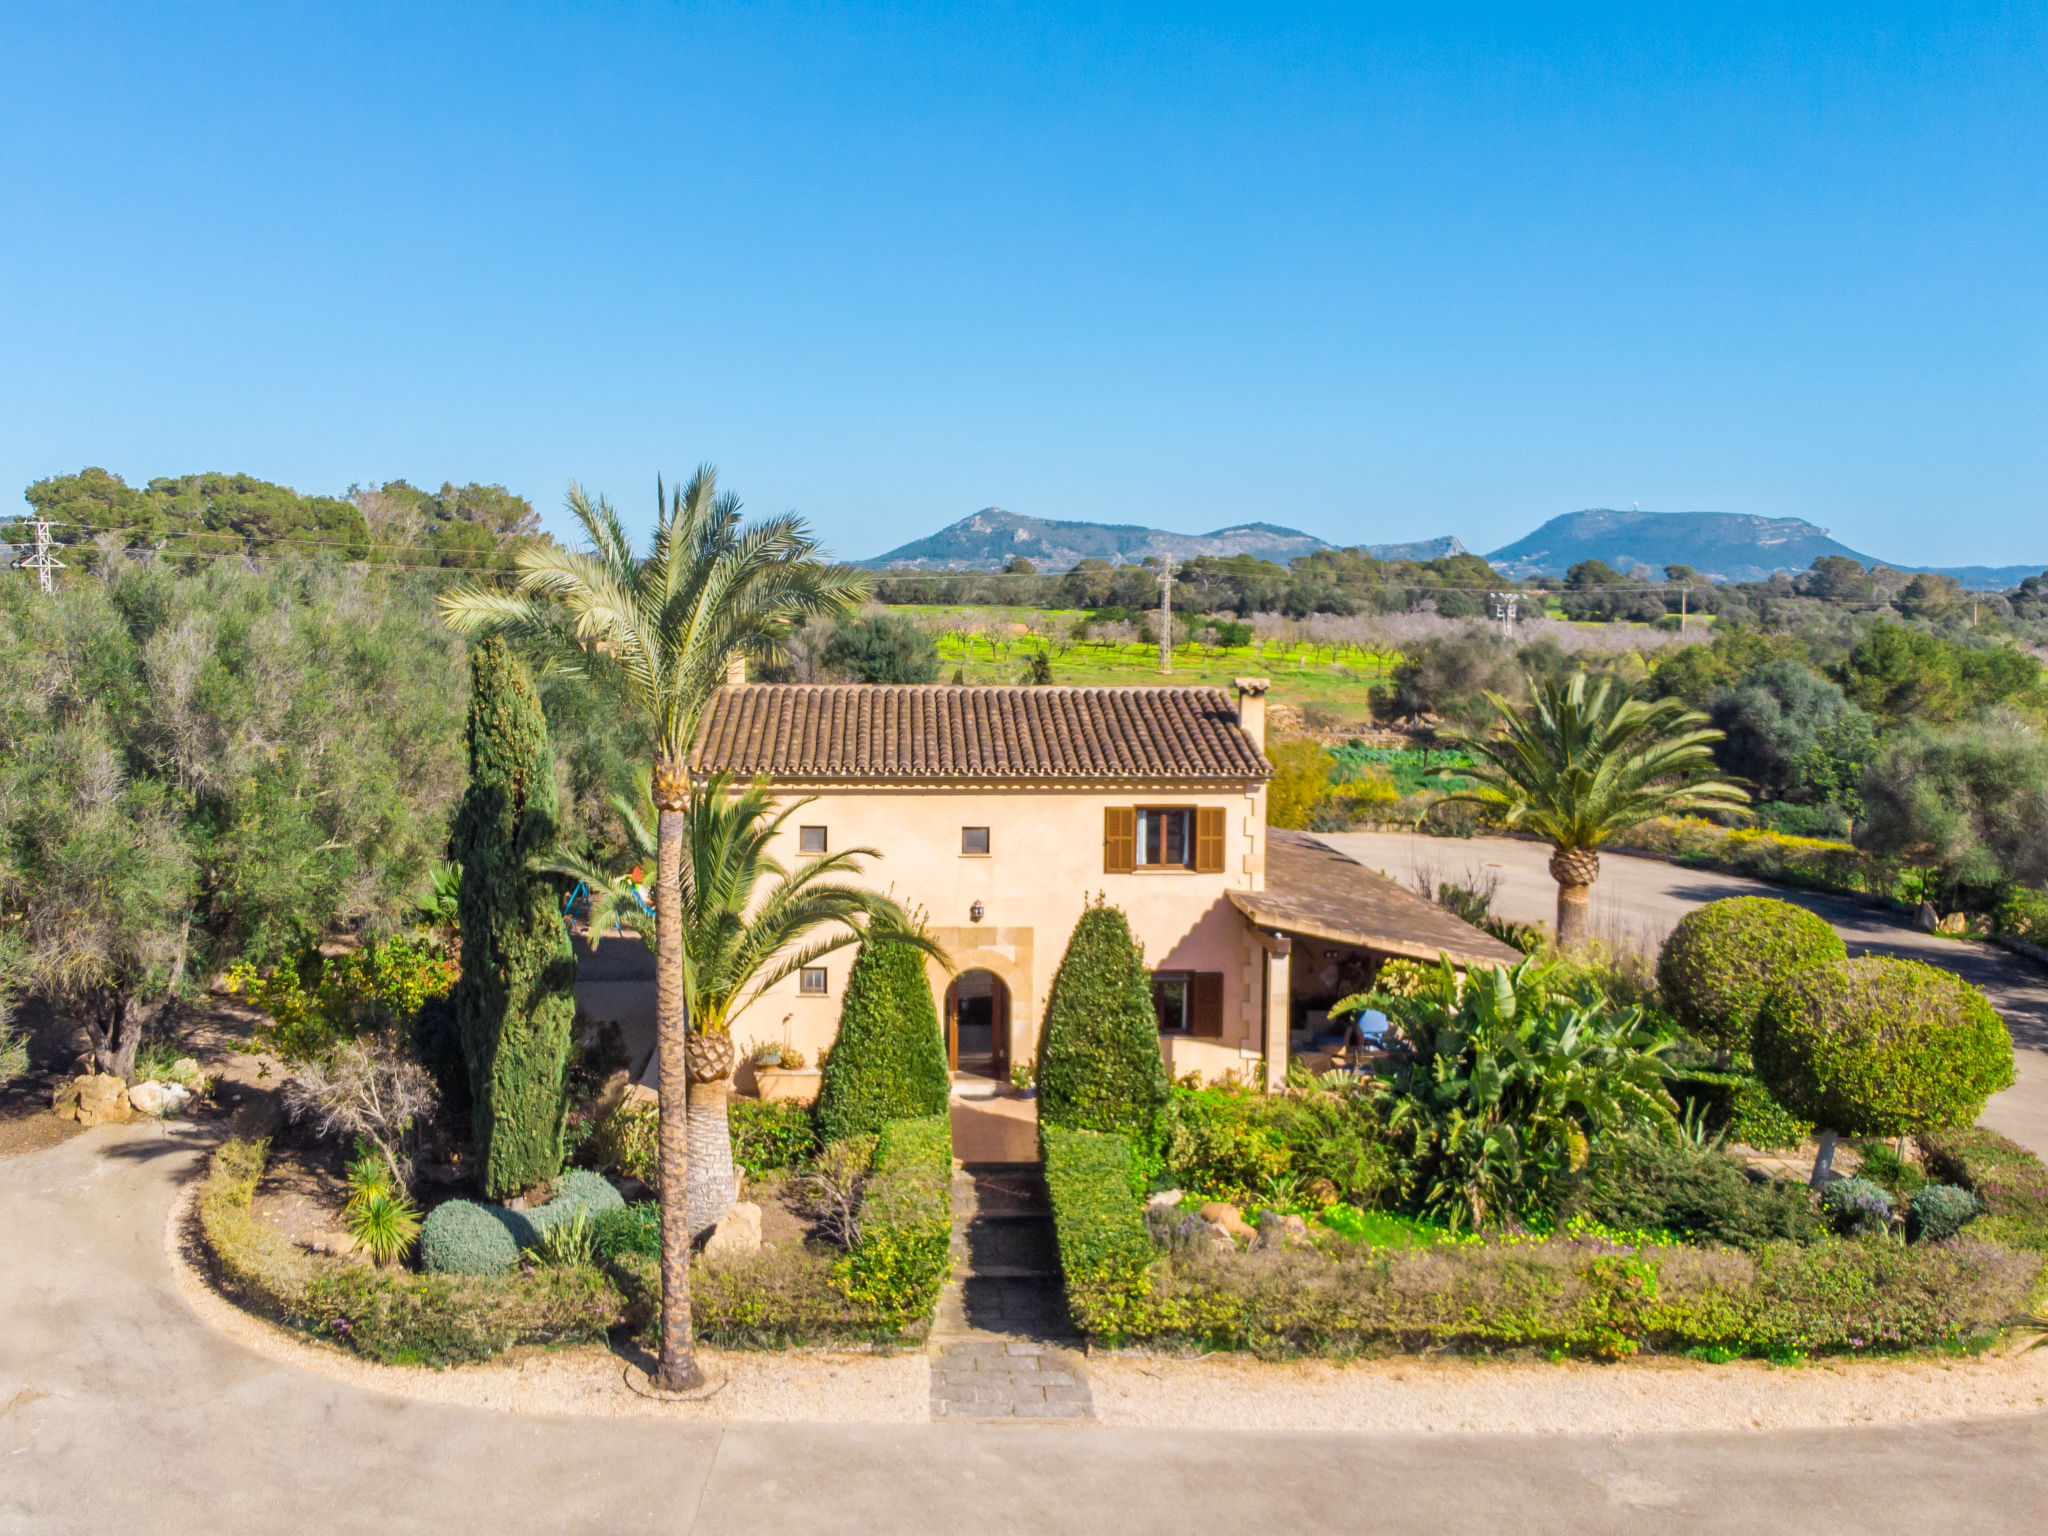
pixel 1588 1294
pixel 796 1289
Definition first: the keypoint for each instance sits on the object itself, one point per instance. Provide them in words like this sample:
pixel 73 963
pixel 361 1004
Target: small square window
pixel 811 981
pixel 810 839
pixel 973 840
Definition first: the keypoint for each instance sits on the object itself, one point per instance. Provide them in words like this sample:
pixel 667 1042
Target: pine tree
pixel 515 1003
pixel 1099 1067
pixel 888 1062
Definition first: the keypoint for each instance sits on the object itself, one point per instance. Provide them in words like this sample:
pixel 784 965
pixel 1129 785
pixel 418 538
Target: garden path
pixel 1641 900
pixel 120 1408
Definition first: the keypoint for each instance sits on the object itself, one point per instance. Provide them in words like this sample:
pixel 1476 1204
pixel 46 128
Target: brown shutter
pixel 1209 839
pixel 1205 1003
pixel 1119 839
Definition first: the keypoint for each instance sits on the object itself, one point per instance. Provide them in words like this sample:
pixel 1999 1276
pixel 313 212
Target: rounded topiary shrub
pixel 1856 1206
pixel 1940 1210
pixel 1723 960
pixel 1879 1047
pixel 577 1190
pixel 460 1237
pixel 888 1061
pixel 1099 1067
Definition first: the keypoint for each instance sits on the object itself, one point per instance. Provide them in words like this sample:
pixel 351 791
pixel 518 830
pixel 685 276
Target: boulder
pixel 95 1098
pixel 1230 1219
pixel 1218 1237
pixel 1278 1231
pixel 1926 919
pixel 1953 924
pixel 336 1245
pixel 736 1234
pixel 148 1098
pixel 1161 1198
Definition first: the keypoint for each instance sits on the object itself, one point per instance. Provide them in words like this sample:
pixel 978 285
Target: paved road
pixel 1642 899
pixel 120 1410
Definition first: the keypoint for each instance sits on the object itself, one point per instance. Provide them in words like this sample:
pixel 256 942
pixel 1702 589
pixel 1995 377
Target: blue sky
pixel 1378 273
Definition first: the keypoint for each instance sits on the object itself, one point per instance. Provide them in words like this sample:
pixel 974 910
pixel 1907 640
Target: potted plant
pixel 1023 1082
pixel 781 1072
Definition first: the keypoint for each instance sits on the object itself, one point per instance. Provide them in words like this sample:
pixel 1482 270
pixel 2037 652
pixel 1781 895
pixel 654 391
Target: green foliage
pixel 1739 1109
pixel 2024 915
pixel 1724 958
pixel 1641 1184
pixel 1504 1079
pixel 318 1003
pixel 2009 1180
pixel 1792 733
pixel 888 1061
pixel 1902 673
pixel 882 648
pixel 1301 777
pixel 1099 1066
pixel 1307 1147
pixel 770 1135
pixel 1856 1207
pixel 198 514
pixel 576 1194
pixel 1973 803
pixel 571 1240
pixel 460 1237
pixel 1453 677
pixel 384 1224
pixel 515 1003
pixel 893 1276
pixel 1105 1252
pixel 1940 1211
pixel 629 1229
pixel 1881 1047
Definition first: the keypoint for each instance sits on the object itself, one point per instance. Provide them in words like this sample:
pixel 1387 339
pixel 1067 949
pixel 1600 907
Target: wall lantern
pixel 974 913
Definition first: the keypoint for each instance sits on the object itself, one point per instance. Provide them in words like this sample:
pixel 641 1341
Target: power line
pixel 42 562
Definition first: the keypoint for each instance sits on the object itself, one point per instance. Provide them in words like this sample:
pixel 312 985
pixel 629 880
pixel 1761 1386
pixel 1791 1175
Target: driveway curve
pixel 1642 900
pixel 120 1409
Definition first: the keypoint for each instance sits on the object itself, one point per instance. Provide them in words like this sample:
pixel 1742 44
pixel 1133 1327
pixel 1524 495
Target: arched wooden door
pixel 978 1025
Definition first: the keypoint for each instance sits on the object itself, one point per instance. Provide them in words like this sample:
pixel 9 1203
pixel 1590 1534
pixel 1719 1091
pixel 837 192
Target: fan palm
pixel 739 938
pixel 709 588
pixel 1585 764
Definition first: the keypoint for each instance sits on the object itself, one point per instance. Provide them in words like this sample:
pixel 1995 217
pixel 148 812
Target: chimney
pixel 1251 708
pixel 736 670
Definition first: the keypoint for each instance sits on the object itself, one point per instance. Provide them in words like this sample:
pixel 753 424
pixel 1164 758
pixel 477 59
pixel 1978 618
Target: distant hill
pixel 1420 549
pixel 987 540
pixel 1726 546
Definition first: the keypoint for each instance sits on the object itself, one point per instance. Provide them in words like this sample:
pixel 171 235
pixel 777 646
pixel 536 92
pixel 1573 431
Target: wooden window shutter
pixel 1205 1003
pixel 1119 839
pixel 1209 839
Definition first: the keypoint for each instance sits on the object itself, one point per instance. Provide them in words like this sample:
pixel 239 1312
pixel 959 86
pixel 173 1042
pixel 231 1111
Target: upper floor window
pixel 1163 837
pixel 811 981
pixel 810 839
pixel 973 840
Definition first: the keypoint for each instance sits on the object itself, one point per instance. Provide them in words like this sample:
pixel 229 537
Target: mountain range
pixel 1725 546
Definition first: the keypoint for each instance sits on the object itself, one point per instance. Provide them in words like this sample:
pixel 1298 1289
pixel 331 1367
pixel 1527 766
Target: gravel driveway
pixel 1644 898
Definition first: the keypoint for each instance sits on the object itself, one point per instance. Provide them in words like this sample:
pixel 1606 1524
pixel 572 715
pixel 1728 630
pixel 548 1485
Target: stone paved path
pixel 1002 1345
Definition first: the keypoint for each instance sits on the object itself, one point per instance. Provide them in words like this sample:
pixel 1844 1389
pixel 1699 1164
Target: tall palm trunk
pixel 1574 870
pixel 713 1185
pixel 678 1370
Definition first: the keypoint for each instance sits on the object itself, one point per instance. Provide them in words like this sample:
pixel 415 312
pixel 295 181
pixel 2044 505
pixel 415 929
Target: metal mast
pixel 1166 614
pixel 42 562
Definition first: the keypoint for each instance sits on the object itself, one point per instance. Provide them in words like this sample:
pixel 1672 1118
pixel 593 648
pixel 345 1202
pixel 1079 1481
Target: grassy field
pixel 995 645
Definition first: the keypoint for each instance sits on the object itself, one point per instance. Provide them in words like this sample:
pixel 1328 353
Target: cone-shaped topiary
pixel 888 1062
pixel 515 1003
pixel 1880 1047
pixel 1725 958
pixel 1099 1067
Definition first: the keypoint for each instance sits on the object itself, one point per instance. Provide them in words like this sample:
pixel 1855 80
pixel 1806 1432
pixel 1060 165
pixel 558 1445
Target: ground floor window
pixel 1170 1000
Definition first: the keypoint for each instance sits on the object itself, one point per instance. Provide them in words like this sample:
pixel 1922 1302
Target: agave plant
pixel 1502 1078
pixel 1585 764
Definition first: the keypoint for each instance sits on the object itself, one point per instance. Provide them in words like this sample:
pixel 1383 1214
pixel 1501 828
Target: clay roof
pixel 1313 889
pixel 813 732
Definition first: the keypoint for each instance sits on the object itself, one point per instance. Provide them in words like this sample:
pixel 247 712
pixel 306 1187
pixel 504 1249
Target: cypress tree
pixel 888 1062
pixel 515 1003
pixel 1099 1067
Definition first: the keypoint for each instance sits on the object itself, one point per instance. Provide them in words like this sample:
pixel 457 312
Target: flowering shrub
pixel 375 988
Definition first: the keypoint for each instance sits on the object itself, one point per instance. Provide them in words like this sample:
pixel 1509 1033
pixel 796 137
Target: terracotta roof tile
pixel 809 732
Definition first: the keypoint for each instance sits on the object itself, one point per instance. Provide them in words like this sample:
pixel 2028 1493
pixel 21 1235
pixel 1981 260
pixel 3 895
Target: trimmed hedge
pixel 1740 1105
pixel 577 1192
pixel 1940 1211
pixel 390 1316
pixel 1099 1067
pixel 460 1237
pixel 1881 1047
pixel 1580 1296
pixel 768 1135
pixel 1724 958
pixel 888 1060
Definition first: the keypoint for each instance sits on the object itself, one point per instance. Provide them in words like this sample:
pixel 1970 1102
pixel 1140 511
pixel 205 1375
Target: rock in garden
pixel 1926 919
pixel 737 1233
pixel 1162 1198
pixel 1953 924
pixel 1278 1231
pixel 336 1245
pixel 1229 1218
pixel 148 1099
pixel 1219 1238
pixel 96 1098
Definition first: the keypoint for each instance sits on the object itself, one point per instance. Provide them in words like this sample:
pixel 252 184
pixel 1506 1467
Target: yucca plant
pixel 384 1223
pixel 1501 1079
pixel 1584 764
pixel 570 1241
pixel 709 589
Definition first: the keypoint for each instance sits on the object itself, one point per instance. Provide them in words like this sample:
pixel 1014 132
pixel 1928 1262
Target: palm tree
pixel 1585 764
pixel 709 589
pixel 738 940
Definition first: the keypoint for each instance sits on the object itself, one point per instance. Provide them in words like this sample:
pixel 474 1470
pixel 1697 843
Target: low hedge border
pixel 887 1285
pixel 1562 1294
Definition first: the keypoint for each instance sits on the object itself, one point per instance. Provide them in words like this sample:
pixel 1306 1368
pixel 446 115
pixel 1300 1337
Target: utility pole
pixel 42 562
pixel 1684 592
pixel 1504 604
pixel 1166 613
